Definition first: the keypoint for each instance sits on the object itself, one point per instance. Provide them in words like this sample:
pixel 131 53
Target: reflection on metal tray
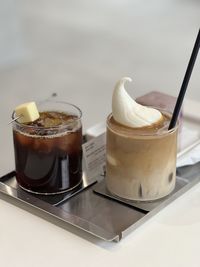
pixel 104 217
pixel 54 200
pixel 145 206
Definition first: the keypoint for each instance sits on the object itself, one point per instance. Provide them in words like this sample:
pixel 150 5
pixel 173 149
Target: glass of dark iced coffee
pixel 48 151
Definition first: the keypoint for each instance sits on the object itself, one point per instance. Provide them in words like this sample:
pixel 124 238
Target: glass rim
pixel 143 135
pixel 78 118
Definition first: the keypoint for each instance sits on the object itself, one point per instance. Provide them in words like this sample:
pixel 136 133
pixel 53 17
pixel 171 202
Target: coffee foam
pixel 37 129
pixel 159 128
pixel 48 136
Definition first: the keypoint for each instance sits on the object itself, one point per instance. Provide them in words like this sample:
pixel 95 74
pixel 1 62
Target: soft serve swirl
pixel 128 112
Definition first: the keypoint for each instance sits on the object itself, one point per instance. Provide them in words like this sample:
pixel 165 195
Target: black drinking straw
pixel 185 82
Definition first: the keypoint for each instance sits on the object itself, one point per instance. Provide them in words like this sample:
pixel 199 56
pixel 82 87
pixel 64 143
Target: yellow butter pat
pixel 27 112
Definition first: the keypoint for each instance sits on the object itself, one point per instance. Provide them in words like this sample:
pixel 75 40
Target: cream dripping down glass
pixel 141 151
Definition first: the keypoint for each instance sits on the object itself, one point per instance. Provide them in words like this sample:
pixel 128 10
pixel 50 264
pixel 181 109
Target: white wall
pixel 103 40
pixel 12 47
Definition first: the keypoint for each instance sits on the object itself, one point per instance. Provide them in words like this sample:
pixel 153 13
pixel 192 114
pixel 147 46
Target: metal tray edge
pixel 59 214
pixel 164 204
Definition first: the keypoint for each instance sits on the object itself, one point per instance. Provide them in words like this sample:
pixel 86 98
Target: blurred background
pixel 78 49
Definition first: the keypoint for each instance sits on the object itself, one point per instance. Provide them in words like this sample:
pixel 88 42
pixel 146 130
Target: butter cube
pixel 27 112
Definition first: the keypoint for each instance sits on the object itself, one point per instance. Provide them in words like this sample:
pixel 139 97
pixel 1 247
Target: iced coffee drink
pixel 48 154
pixel 141 151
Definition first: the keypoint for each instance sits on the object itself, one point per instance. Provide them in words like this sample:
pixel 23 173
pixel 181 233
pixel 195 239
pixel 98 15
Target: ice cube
pixel 111 160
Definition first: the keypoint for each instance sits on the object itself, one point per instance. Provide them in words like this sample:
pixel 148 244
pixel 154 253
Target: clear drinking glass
pixel 140 166
pixel 48 158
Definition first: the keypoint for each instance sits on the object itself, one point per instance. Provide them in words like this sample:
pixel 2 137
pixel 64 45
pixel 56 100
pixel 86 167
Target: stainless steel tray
pixel 92 209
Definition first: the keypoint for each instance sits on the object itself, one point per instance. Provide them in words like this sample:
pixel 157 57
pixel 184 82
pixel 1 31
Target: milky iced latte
pixel 141 152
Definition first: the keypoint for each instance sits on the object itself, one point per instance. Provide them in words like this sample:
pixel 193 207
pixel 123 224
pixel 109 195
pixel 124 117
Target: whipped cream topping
pixel 128 112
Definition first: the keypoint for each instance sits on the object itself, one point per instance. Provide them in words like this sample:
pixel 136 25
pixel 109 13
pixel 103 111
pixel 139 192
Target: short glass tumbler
pixel 48 160
pixel 140 167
